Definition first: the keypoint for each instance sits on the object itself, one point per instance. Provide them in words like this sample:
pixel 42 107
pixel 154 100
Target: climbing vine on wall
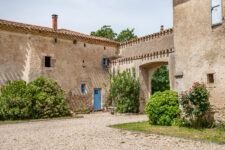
pixel 124 92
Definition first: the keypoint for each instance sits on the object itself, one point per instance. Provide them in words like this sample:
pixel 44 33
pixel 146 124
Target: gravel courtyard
pixel 89 133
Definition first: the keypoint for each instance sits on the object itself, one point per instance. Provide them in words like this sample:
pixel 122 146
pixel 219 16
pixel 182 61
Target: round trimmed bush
pixel 162 108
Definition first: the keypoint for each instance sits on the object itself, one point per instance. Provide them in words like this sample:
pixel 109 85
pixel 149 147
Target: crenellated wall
pixel 153 42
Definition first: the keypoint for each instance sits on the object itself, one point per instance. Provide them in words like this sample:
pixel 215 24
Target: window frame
pixel 216 24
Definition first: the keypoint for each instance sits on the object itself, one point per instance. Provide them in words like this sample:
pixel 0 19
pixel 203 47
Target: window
pixel 210 78
pixel 55 40
pixel 74 42
pixel 85 45
pixel 47 61
pixel 104 48
pixel 105 62
pixel 96 92
pixel 83 86
pixel 216 8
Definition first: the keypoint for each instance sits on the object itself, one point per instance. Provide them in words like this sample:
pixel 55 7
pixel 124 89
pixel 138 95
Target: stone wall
pixel 199 49
pixel 22 57
pixel 150 43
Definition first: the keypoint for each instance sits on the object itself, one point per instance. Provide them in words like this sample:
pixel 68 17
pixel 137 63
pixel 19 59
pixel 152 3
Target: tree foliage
pixel 42 98
pixel 160 79
pixel 124 92
pixel 107 32
pixel 126 35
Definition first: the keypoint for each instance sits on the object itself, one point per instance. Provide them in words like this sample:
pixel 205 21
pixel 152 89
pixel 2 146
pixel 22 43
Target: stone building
pixel 193 49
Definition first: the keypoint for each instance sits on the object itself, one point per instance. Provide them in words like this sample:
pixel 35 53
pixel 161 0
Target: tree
pixel 106 32
pixel 126 35
pixel 160 79
pixel 124 92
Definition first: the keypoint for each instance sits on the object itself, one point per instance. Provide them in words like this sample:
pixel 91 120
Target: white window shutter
pixel 216 12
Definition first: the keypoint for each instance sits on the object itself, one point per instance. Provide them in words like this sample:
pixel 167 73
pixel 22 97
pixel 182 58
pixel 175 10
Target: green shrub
pixel 124 92
pixel 47 99
pixel 14 103
pixel 42 98
pixel 195 104
pixel 162 108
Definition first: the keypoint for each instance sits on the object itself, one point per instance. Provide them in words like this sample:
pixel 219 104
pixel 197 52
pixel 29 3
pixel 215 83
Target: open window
pixel 47 61
pixel 216 8
pixel 210 78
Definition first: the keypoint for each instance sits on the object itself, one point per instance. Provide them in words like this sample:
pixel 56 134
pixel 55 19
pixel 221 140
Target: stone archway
pixel 145 74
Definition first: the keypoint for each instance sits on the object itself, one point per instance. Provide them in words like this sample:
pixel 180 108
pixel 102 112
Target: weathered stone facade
pixel 72 63
pixel 200 48
pixel 194 50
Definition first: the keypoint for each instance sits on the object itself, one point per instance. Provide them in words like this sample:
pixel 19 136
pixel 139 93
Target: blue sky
pixel 84 16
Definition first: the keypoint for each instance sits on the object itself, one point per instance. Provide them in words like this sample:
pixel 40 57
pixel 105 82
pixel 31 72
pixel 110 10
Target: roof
pixel 22 27
pixel 69 34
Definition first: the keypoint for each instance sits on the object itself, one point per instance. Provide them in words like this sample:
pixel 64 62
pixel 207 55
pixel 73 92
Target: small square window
pixel 96 92
pixel 105 62
pixel 83 86
pixel 47 61
pixel 210 78
pixel 104 48
pixel 85 45
pixel 55 40
pixel 74 42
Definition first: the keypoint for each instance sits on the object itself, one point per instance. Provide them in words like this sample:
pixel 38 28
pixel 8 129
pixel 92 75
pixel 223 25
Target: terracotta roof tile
pixel 29 27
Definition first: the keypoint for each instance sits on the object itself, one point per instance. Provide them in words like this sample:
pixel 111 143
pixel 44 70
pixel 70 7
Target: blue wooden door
pixel 97 99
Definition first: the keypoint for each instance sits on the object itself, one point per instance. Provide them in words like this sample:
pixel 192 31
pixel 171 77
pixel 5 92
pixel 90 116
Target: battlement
pixel 146 38
pixel 151 54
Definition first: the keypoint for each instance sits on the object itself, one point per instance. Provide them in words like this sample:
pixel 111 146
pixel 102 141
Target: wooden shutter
pixel 216 12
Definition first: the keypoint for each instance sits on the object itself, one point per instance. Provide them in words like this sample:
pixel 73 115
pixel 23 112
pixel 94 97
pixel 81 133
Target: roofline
pixel 69 34
pixel 46 31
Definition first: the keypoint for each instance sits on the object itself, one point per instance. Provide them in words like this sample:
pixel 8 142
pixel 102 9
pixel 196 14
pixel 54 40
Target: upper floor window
pixel 47 61
pixel 83 86
pixel 105 62
pixel 216 8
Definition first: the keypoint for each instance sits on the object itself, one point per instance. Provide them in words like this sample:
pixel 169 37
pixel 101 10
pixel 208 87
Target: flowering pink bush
pixel 195 102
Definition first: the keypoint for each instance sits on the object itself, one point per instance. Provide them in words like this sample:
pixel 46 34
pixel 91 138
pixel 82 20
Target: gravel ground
pixel 89 133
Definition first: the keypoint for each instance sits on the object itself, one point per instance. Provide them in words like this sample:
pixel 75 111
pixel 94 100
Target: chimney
pixel 54 22
pixel 162 28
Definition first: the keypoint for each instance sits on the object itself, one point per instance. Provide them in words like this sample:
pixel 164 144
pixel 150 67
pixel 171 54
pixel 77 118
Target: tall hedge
pixel 124 92
pixel 42 98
